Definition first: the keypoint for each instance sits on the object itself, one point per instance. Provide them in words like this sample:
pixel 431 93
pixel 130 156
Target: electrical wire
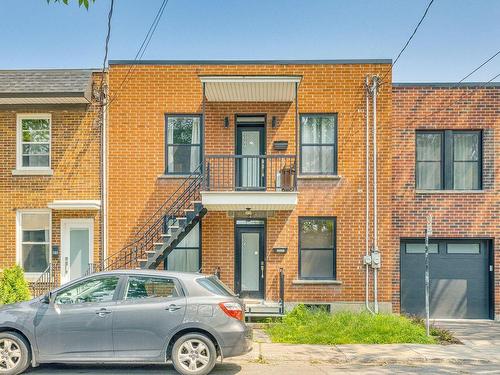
pixel 409 39
pixel 142 49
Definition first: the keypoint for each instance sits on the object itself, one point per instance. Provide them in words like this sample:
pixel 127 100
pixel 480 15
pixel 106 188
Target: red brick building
pixel 49 176
pixel 445 164
pixel 256 171
pixel 283 180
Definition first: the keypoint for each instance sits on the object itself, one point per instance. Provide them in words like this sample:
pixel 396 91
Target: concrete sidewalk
pixel 364 354
pixel 266 352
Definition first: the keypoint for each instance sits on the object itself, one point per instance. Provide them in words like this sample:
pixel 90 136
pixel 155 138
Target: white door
pixel 76 248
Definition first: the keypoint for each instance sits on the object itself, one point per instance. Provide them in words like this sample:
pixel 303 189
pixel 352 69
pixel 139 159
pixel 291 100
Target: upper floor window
pixel 33 240
pixel 317 254
pixel 318 144
pixel 183 143
pixel 448 160
pixel 33 141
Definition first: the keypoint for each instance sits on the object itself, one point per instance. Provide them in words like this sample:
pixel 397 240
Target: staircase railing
pixel 44 283
pixel 150 232
pixel 217 272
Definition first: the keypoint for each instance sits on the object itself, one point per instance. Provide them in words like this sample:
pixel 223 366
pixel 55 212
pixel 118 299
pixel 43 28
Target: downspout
pixel 103 177
pixel 367 260
pixel 103 171
pixel 375 253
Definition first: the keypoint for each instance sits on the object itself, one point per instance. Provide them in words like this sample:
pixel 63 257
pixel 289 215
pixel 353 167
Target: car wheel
pixel 14 354
pixel 194 354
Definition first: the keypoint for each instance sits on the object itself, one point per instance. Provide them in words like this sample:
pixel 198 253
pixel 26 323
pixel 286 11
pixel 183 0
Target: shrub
pixel 13 286
pixel 316 326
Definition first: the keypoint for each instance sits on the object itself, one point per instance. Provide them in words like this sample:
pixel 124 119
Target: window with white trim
pixel 34 241
pixel 33 141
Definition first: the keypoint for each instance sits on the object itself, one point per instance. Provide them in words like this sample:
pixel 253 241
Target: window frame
pixel 65 287
pixel 31 276
pixel 167 144
pixel 334 145
pixel 334 249
pixel 165 262
pixel 124 288
pixel 19 141
pixel 447 163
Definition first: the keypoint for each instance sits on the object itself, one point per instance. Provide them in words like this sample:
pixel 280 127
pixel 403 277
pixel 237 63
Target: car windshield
pixel 215 286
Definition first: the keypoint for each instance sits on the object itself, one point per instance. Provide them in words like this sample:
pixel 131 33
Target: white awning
pixel 244 200
pixel 75 205
pixel 250 88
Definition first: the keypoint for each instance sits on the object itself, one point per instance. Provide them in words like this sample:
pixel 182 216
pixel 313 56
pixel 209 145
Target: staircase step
pixel 166 235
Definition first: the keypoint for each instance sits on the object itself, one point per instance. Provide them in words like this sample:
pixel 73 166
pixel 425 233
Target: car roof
pixel 179 275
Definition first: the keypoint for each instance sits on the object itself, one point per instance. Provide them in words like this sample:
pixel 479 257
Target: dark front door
pixel 459 278
pixel 250 272
pixel 250 165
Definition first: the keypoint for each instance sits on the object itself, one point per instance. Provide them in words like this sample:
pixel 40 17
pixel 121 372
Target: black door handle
pixel 173 307
pixel 103 312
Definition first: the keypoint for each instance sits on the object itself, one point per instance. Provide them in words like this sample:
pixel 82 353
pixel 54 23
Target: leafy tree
pixel 13 286
pixel 85 3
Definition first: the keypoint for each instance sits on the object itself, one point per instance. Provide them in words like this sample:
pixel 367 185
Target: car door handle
pixel 103 312
pixel 173 307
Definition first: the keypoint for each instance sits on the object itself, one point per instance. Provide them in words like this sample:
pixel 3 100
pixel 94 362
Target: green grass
pixel 304 326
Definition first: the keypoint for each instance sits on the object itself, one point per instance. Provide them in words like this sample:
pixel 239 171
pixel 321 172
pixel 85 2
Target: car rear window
pixel 215 286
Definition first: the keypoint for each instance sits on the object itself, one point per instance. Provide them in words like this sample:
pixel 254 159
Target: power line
pixel 409 39
pixel 480 66
pixel 106 51
pixel 466 93
pixel 144 45
pixel 495 77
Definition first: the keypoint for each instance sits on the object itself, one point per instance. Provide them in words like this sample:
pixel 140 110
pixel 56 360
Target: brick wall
pixel 75 162
pixel 136 160
pixel 455 214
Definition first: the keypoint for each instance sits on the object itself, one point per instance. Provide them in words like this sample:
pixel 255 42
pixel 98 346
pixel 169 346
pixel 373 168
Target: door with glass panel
pixel 76 248
pixel 250 165
pixel 250 267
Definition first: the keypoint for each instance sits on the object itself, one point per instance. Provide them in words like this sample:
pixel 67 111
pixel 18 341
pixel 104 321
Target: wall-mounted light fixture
pixel 274 122
pixel 226 122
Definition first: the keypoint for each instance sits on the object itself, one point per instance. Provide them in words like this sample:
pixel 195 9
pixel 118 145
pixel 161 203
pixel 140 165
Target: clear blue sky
pixel 456 36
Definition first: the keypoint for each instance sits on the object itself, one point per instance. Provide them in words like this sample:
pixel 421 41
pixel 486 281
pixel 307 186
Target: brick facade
pixel 455 214
pixel 136 139
pixel 75 143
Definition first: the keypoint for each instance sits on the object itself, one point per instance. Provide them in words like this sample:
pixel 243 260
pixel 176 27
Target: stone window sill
pixel 450 191
pixel 319 177
pixel 317 282
pixel 33 172
pixel 174 176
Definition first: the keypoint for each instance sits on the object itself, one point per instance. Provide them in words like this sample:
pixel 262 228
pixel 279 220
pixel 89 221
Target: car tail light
pixel 232 309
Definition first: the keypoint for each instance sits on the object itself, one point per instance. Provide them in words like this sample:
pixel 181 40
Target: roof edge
pixel 446 84
pixel 250 62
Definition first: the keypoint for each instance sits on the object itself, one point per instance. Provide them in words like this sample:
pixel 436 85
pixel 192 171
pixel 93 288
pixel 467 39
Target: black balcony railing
pixel 250 172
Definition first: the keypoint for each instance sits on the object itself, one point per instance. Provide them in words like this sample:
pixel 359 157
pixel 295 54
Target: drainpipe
pixel 367 258
pixel 375 253
pixel 103 171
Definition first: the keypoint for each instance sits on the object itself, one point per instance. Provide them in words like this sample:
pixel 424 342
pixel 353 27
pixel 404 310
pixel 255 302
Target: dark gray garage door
pixel 459 279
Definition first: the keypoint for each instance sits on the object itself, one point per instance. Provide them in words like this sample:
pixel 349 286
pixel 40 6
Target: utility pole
pixel 428 232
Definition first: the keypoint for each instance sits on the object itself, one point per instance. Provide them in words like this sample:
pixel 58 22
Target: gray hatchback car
pixel 127 317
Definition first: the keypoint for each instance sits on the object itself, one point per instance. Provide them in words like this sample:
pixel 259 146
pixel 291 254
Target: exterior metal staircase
pixel 155 239
pixel 161 233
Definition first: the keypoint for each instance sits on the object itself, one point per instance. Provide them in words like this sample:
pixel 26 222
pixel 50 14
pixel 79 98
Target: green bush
pixel 317 326
pixel 13 286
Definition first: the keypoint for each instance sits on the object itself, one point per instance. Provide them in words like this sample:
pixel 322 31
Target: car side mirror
pixel 48 298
